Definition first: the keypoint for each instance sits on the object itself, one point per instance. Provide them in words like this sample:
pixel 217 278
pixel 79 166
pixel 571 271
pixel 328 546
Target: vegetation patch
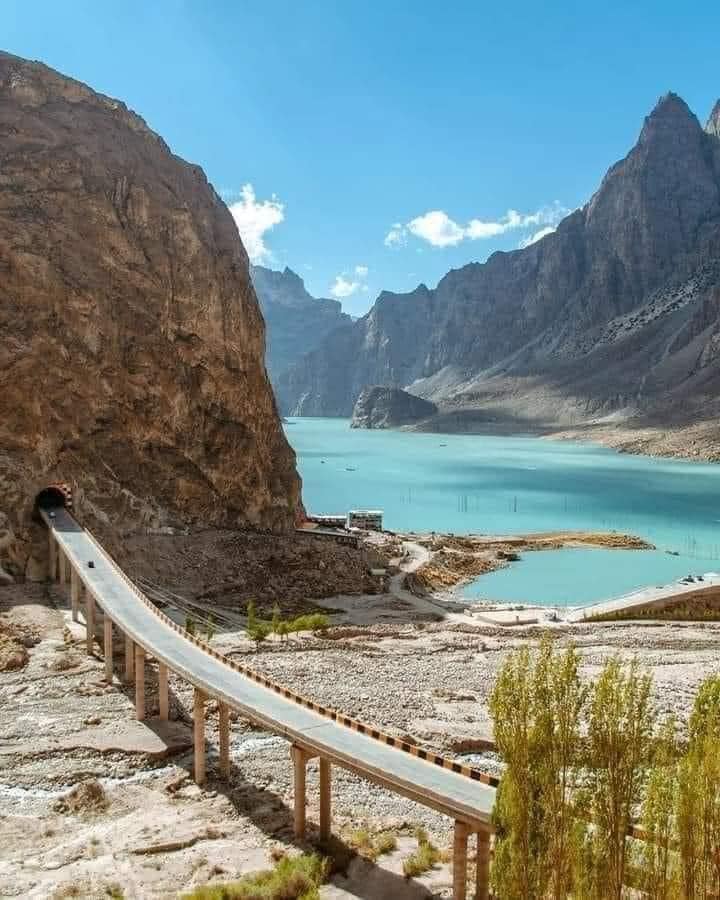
pixel 371 845
pixel 292 878
pixel 426 857
pixel 599 799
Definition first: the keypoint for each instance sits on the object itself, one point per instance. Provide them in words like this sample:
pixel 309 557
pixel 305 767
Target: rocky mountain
pixel 387 407
pixel 613 317
pixel 131 342
pixel 296 321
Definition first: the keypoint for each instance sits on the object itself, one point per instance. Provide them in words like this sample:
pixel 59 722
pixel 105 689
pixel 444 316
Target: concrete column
pixel 163 701
pixel 300 770
pixel 89 621
pixel 62 567
pixel 52 554
pixel 482 875
pixel 75 584
pixel 199 729
pixel 224 729
pixel 139 682
pixel 129 659
pixel 460 861
pixel 108 647
pixel 325 801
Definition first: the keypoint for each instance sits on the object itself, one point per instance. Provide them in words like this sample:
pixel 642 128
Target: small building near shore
pixel 365 519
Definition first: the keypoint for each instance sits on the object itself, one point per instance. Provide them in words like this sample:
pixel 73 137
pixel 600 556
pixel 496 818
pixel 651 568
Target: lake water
pixel 471 483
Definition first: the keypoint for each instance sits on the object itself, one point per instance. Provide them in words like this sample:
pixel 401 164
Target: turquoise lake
pixel 498 485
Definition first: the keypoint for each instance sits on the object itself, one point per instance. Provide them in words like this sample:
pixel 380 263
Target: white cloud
pixel 345 285
pixel 525 242
pixel 439 230
pixel 254 218
pixel 397 236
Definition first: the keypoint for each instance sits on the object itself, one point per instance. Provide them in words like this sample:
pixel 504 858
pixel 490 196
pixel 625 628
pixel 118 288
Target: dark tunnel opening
pixel 54 496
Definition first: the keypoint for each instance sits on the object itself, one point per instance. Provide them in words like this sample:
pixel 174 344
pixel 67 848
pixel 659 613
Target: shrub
pixel 292 878
pixel 423 859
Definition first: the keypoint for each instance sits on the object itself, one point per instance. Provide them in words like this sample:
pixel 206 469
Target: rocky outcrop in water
pixel 387 407
pixel 131 342
pixel 609 317
pixel 296 322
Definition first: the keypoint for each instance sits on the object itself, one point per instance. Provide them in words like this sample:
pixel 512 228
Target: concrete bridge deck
pixel 311 733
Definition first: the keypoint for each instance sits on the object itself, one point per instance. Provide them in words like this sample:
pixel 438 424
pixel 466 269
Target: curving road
pixel 455 795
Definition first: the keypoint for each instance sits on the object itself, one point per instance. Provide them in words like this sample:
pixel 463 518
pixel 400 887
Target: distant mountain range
pixel 613 318
pixel 296 322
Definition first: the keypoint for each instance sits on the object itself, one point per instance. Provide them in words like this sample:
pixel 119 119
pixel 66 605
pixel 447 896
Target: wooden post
pixel 482 875
pixel 89 621
pixel 74 593
pixel 108 647
pixel 325 801
pixel 129 659
pixel 300 770
pixel 52 554
pixel 163 702
pixel 199 729
pixel 139 682
pixel 460 861
pixel 224 729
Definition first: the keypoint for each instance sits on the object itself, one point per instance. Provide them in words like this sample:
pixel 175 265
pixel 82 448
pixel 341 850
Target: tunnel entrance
pixel 51 497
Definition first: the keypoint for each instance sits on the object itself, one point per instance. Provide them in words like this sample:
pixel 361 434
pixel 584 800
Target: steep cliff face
pixel 296 322
pixel 131 342
pixel 384 407
pixel 593 319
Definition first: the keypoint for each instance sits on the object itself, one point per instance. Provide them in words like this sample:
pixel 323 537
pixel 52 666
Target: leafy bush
pixel 292 878
pixel 423 859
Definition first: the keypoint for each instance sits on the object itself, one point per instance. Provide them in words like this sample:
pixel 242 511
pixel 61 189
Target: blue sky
pixel 374 145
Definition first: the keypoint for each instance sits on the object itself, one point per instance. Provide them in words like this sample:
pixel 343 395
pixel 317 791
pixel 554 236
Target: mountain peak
pixel 713 123
pixel 670 116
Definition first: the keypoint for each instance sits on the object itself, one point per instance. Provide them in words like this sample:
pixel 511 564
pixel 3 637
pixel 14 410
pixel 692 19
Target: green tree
pixel 620 730
pixel 536 706
pixel 660 875
pixel 210 628
pixel 698 805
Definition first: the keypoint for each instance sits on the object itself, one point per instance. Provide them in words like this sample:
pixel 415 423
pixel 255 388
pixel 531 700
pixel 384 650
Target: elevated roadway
pixel 463 794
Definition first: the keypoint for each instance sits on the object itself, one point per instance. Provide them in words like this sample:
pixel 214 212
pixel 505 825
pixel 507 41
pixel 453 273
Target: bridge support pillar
pixel 460 841
pixel 325 799
pixel 89 621
pixel 62 567
pixel 299 758
pixel 52 555
pixel 482 874
pixel 199 730
pixel 129 659
pixel 74 593
pixel 139 683
pixel 163 702
pixel 224 732
pixel 108 647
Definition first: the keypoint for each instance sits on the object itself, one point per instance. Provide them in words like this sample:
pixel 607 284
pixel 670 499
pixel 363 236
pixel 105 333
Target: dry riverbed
pixel 149 831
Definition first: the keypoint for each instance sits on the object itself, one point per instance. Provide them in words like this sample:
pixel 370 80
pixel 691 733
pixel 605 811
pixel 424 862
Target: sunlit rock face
pixel 131 342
